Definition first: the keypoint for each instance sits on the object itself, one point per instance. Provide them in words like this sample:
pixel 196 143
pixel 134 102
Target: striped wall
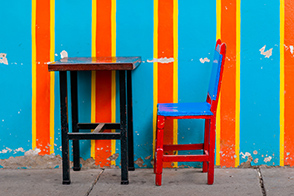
pixel 175 40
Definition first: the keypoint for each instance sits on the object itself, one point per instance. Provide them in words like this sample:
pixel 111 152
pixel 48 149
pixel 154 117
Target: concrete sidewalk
pixel 106 182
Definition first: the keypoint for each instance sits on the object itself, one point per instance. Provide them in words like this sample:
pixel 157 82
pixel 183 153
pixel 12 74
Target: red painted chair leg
pixel 154 165
pixel 210 177
pixel 159 150
pixel 206 141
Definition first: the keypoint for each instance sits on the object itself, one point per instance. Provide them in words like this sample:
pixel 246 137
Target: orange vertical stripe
pixel 43 76
pixel 228 91
pixel 289 82
pixel 165 70
pixel 103 79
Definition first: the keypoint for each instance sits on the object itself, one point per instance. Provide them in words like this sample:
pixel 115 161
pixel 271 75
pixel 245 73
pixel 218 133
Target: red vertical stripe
pixel 103 79
pixel 228 91
pixel 165 71
pixel 289 82
pixel 43 76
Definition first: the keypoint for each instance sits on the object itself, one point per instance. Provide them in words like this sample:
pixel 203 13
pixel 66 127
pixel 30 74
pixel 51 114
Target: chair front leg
pixel 159 150
pixel 211 151
pixel 206 142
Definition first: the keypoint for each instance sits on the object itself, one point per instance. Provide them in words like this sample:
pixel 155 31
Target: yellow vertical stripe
pixel 34 75
pixel 52 74
pixel 218 122
pixel 282 82
pixel 93 79
pixel 237 117
pixel 113 73
pixel 175 70
pixel 155 69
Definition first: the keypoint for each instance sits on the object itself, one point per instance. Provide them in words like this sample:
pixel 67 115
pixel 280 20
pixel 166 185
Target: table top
pixel 95 63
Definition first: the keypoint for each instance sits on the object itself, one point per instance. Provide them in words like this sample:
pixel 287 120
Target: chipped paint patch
pixel 255 152
pixel 204 60
pixel 140 162
pixel 63 54
pixel 3 59
pixel 32 152
pixel 267 159
pixel 267 53
pixel 291 49
pixel 161 60
pixel 113 157
pixel 255 160
pixel 247 154
pixel 18 150
pixel 148 157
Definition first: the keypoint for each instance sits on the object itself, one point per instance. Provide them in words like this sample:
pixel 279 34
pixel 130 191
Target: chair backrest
pixel 216 74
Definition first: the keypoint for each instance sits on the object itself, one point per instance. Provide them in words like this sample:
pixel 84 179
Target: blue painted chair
pixel 202 110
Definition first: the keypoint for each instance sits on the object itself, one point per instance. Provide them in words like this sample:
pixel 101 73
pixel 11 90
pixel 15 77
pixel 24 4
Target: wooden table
pixel 124 129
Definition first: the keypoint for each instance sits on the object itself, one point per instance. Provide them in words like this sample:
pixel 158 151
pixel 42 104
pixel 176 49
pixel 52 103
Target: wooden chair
pixel 201 110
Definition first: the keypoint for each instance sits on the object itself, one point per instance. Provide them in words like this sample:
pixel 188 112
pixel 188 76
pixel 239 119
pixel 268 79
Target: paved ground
pixel 31 182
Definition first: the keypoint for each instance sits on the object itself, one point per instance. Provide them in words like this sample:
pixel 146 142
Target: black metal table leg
pixel 130 122
pixel 123 124
pixel 64 128
pixel 74 105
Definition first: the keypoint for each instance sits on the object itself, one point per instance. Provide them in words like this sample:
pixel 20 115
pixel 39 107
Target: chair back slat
pixel 215 74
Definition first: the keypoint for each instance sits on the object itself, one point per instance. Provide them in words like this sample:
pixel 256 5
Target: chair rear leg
pixel 154 161
pixel 206 142
pixel 210 177
pixel 159 150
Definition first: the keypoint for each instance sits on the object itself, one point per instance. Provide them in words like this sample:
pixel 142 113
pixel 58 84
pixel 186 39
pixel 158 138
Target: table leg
pixel 64 127
pixel 130 122
pixel 123 126
pixel 74 111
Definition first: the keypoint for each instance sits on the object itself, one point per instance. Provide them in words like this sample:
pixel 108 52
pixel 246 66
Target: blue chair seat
pixel 184 109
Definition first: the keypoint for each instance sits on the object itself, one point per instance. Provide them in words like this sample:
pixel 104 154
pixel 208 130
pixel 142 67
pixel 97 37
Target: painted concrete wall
pixel 175 40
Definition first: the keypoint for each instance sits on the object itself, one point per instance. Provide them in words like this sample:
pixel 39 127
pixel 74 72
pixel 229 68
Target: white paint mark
pixel 161 60
pixel 267 159
pixel 18 150
pixel 204 60
pixel 56 54
pixel 247 154
pixel 4 151
pixel 63 54
pixel 291 49
pixel 32 152
pixel 267 53
pixel 3 59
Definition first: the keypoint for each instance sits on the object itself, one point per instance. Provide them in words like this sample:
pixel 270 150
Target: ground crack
pixel 261 181
pixel 93 184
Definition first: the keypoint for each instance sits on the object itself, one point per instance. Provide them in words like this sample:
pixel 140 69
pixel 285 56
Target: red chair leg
pixel 206 141
pixel 159 150
pixel 154 162
pixel 210 177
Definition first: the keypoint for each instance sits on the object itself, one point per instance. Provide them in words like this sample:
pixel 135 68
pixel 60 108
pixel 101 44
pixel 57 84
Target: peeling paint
pixel 113 157
pixel 32 152
pixel 148 157
pixel 247 154
pixel 18 150
pixel 267 53
pixel 140 162
pixel 291 49
pixel 204 60
pixel 3 59
pixel 63 54
pixel 267 159
pixel 161 60
pixel 255 160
